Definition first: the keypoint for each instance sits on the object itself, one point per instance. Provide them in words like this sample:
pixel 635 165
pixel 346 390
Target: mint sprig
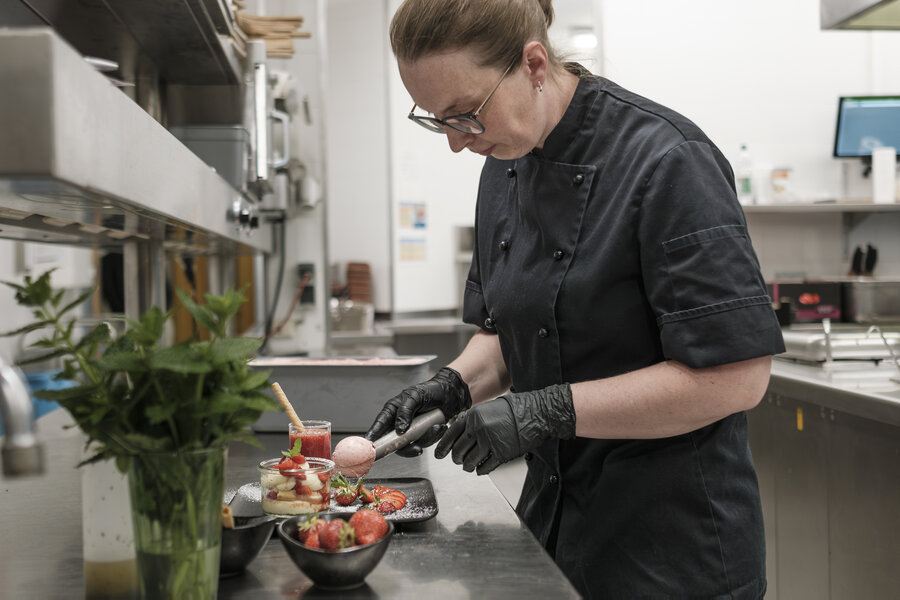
pixel 132 393
pixel 295 449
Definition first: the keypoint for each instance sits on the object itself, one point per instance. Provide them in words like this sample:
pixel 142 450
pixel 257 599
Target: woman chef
pixel 624 322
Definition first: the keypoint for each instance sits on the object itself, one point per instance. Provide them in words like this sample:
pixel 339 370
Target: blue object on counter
pixel 42 380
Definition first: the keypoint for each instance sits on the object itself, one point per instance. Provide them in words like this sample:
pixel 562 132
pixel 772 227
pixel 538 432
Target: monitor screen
pixel 866 122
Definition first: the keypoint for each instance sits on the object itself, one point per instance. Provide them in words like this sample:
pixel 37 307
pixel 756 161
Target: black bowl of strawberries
pixel 337 551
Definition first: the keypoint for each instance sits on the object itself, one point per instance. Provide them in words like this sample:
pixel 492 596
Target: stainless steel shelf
pixel 187 41
pixel 81 163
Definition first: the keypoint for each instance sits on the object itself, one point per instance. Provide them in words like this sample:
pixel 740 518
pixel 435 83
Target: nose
pixel 457 139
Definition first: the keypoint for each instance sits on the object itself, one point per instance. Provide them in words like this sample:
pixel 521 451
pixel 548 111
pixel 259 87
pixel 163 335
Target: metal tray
pixel 348 391
pixel 845 345
pixel 421 503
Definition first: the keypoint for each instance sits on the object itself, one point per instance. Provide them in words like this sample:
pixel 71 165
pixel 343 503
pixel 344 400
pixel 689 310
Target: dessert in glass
pixel 315 436
pixel 295 485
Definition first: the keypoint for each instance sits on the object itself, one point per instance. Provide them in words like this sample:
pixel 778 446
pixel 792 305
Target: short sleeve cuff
pixel 737 331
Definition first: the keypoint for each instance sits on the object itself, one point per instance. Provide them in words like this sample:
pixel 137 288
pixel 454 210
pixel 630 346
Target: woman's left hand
pixel 494 432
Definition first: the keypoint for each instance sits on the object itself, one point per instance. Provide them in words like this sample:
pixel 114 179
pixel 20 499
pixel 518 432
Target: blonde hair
pixel 496 30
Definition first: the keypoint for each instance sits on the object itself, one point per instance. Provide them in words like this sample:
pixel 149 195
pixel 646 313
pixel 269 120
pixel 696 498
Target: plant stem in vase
pixel 176 503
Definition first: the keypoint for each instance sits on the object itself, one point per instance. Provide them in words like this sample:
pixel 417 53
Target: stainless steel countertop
pixel 475 547
pixel 853 388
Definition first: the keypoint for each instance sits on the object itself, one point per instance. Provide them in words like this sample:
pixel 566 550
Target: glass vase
pixel 110 569
pixel 176 504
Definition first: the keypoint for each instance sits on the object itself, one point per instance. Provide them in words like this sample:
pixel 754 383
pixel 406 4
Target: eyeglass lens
pixel 463 124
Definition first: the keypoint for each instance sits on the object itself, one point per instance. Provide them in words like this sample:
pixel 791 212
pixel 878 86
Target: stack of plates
pixel 359 282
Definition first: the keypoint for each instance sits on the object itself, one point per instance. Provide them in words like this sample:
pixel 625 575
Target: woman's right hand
pixel 446 391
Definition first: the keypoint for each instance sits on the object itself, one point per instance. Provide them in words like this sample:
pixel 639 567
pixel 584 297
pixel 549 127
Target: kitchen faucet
pixel 21 454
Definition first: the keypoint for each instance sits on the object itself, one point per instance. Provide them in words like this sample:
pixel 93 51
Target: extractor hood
pixel 81 163
pixel 860 14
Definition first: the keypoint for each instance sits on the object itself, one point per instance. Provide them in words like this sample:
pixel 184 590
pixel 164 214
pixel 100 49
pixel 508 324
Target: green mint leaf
pixel 77 302
pixel 99 334
pixel 179 359
pixel 255 380
pixel 123 360
pixel 201 315
pixel 298 445
pixel 27 328
pixel 233 349
pixel 159 413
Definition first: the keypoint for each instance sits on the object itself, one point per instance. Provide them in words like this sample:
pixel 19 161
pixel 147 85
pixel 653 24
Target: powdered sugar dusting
pixel 420 504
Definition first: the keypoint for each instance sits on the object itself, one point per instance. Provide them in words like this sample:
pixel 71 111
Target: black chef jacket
pixel 618 245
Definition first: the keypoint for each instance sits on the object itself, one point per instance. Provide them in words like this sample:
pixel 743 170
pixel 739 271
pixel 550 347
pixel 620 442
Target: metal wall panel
pixel 864 508
pixel 830 490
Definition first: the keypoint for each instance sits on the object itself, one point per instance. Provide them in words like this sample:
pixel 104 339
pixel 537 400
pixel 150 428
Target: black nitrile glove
pixel 446 391
pixel 494 432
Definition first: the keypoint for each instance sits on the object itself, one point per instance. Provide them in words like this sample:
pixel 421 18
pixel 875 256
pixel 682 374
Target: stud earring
pixel 540 87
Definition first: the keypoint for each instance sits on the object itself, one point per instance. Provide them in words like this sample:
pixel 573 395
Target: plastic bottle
pixel 743 176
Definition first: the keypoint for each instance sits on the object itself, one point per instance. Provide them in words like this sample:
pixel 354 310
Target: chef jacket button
pixel 510 173
pixel 578 179
pixel 504 245
pixel 554 479
pixel 558 255
pixel 489 323
pixel 543 332
pixel 528 456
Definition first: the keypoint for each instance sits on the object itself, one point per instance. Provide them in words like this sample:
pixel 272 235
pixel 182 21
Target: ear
pixel 536 61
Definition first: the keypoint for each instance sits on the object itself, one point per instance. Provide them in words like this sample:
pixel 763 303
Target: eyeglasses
pixel 466 123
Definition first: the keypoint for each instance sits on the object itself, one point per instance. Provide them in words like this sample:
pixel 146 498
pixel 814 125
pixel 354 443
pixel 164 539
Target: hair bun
pixel 547 7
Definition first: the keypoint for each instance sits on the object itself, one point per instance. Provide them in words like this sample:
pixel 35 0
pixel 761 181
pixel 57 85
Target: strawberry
pixel 395 497
pixel 312 541
pixel 291 458
pixel 337 534
pixel 302 490
pixel 312 525
pixel 344 496
pixel 344 493
pixel 323 477
pixel 365 495
pixel 386 507
pixel 368 525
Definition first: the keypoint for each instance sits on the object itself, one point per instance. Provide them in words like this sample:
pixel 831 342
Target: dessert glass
pixel 297 491
pixel 316 436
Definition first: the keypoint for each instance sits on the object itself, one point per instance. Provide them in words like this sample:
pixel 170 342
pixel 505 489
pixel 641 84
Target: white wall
pixel 425 171
pixel 761 73
pixel 357 140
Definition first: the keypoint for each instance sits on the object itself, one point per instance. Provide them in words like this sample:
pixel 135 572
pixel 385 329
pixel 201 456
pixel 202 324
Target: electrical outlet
pixel 288 331
pixel 309 291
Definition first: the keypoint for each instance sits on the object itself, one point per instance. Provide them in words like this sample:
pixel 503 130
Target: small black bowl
pixel 333 569
pixel 244 542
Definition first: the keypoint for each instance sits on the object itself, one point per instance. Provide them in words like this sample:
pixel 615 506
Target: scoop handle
pixel 391 442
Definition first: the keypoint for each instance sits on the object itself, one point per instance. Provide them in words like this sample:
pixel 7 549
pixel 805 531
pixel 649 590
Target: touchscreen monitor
pixel 866 122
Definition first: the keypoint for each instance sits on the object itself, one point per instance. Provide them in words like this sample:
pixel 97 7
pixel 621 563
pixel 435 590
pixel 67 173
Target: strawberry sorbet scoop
pixel 353 456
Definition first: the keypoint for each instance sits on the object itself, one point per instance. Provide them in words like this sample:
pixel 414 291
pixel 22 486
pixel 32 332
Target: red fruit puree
pixel 316 442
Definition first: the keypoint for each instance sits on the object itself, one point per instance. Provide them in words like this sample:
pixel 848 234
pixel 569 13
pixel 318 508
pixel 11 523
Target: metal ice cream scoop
pixel 391 442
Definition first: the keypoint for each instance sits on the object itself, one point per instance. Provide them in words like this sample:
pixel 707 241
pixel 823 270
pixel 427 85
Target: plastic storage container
pixel 347 391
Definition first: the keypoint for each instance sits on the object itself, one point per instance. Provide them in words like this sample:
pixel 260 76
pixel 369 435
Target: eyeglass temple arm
pixel 505 73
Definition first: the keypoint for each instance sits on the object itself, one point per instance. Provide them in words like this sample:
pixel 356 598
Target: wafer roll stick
pixel 292 415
